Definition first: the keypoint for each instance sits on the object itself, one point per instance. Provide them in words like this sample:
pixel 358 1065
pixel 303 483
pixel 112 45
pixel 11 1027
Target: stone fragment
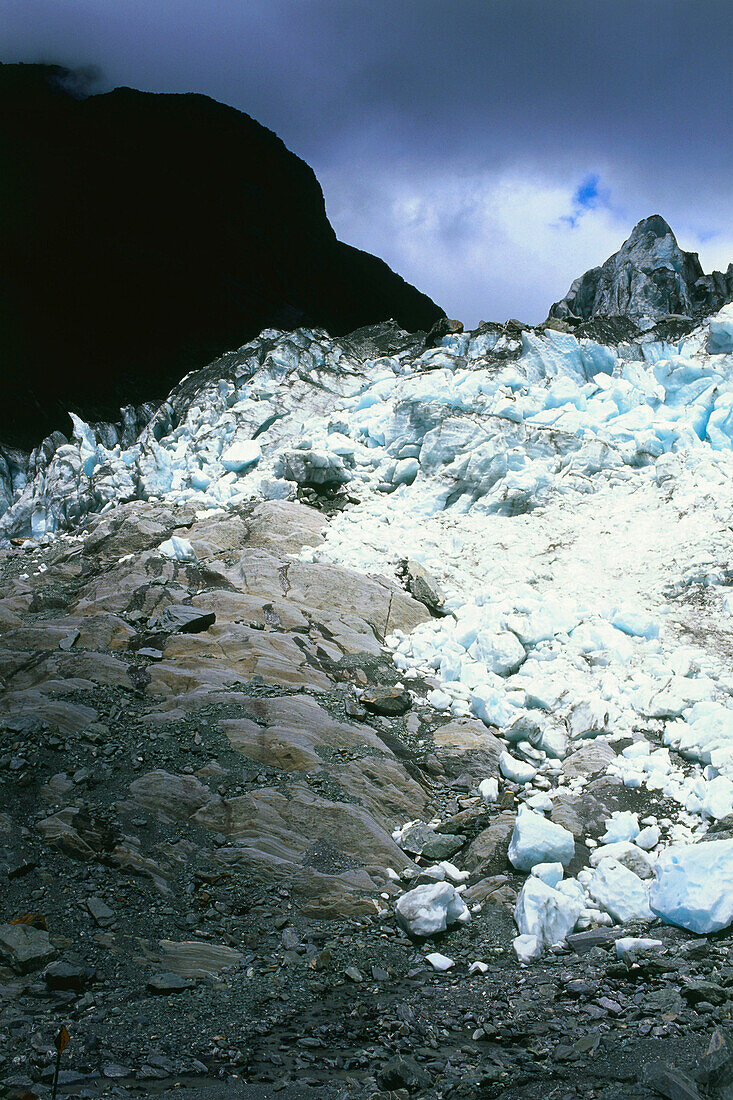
pixel 24 948
pixel 404 1073
pixel 487 853
pixel 100 912
pixel 182 619
pixel 194 959
pixel 178 797
pixel 166 983
pixel 67 976
pixel 422 585
pixel 669 1082
pixel 388 701
pixel 444 326
pixel 421 840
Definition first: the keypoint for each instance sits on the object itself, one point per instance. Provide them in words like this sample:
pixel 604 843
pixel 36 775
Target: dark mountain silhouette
pixel 143 234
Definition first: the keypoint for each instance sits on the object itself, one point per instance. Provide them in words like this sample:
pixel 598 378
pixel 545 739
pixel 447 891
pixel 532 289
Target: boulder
pixel 182 619
pixel 421 840
pixel 487 853
pixel 176 797
pixel 24 948
pixel 387 701
pixel 422 585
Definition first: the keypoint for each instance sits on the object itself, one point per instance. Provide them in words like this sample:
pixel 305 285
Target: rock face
pixel 649 277
pixel 296 796
pixel 151 232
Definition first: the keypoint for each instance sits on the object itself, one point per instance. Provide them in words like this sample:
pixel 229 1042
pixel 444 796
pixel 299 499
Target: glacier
pixel 572 500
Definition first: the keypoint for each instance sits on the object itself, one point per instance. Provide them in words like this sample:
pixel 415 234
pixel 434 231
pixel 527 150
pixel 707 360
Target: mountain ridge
pixel 649 277
pixel 145 233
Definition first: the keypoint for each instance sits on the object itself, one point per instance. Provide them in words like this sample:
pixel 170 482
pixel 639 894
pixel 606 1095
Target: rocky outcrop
pixel 650 277
pixel 143 234
pixel 295 792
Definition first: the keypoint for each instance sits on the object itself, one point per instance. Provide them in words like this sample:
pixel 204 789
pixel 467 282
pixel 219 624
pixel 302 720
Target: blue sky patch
pixel 588 195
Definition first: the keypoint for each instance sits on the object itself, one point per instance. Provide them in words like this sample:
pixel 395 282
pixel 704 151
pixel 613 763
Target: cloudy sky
pixel 489 150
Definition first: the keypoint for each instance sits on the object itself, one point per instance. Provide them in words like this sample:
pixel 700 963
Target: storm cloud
pixel 489 151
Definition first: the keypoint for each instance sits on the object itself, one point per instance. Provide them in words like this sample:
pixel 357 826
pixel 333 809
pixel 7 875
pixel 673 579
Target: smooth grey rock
pixel 100 912
pixel 444 326
pixel 166 983
pixel 24 948
pixel 423 586
pixel 421 840
pixel 181 619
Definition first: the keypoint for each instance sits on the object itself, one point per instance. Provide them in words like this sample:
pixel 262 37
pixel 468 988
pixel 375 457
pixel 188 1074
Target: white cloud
pixel 482 245
pixel 493 244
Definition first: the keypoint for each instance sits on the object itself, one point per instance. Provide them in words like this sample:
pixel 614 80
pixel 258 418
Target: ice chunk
pixel 721 331
pixel 430 909
pixel 631 945
pixel 439 699
pixel 502 652
pixel 405 471
pixel 635 623
pixel 694 886
pixel 648 838
pixel 537 840
pixel 550 873
pixel 527 948
pixel 516 770
pixel 544 913
pixel 622 825
pixel 717 800
pixel 241 455
pixel 489 790
pixel 620 892
pixel 452 872
pixel 491 706
pixel 632 857
pixel 177 548
pixel 439 962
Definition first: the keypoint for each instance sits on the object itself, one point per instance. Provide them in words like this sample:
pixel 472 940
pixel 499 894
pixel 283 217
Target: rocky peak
pixel 649 277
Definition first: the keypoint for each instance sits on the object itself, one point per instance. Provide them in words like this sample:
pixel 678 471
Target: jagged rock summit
pixel 650 277
pixel 144 234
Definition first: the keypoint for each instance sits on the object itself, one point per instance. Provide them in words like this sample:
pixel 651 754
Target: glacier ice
pixel 429 909
pixel 571 500
pixel 537 840
pixel 694 886
pixel 546 914
pixel 620 892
